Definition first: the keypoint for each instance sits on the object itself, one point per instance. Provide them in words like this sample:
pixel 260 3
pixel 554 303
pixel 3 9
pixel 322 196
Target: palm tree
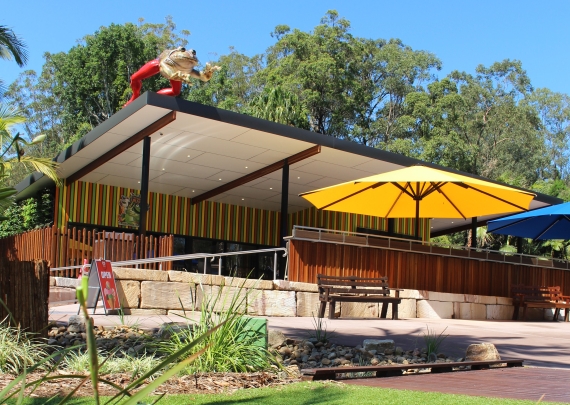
pixel 278 105
pixel 12 153
pixel 12 47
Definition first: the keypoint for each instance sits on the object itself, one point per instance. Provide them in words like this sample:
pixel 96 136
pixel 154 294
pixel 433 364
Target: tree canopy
pixel 374 91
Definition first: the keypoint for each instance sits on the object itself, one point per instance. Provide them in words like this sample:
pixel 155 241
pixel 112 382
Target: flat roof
pixel 206 147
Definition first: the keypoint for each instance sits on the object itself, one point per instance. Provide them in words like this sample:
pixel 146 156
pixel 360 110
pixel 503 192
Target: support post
pixel 144 186
pixel 474 232
pixel 391 226
pixel 519 245
pixel 284 202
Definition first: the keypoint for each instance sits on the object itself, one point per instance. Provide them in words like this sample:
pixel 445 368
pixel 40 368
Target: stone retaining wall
pixel 153 292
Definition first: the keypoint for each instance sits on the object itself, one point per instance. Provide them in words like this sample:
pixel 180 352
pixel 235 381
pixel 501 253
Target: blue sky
pixel 462 34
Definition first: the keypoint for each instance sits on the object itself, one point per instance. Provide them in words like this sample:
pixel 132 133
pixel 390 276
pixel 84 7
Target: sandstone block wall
pixel 149 292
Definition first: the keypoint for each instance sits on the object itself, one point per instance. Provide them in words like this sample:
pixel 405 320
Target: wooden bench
pixel 539 297
pixel 333 289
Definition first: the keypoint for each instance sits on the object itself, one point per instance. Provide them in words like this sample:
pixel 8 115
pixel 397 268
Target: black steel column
pixel 144 186
pixel 519 244
pixel 391 226
pixel 474 232
pixel 284 202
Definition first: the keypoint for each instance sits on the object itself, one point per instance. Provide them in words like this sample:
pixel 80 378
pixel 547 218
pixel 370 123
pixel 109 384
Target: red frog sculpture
pixel 177 65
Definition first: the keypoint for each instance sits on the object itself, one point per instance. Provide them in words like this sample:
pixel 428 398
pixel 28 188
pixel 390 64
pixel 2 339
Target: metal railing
pixel 408 245
pixel 205 256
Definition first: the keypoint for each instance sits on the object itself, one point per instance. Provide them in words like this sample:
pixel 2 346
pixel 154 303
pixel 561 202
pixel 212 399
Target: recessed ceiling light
pixel 193 191
pixel 139 182
pixel 271 188
pixel 246 167
pixel 298 177
pixel 243 199
pixel 163 168
pixel 219 179
pixel 188 155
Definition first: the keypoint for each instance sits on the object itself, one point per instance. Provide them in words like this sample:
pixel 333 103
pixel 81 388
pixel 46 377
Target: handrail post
pixel 275 265
pixel 205 263
pixel 220 266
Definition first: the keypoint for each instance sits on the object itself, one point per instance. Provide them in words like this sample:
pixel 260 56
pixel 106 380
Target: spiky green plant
pixel 18 349
pixel 169 366
pixel 234 347
pixel 433 341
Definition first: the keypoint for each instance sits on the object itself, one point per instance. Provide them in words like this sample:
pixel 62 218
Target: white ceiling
pixel 193 155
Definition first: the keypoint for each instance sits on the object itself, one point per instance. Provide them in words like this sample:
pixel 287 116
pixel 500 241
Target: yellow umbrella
pixel 420 192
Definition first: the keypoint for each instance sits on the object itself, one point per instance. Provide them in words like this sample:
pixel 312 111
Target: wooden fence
pixel 416 270
pixel 69 247
pixel 24 289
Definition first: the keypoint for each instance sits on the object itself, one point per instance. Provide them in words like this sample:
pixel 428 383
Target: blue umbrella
pixel 544 223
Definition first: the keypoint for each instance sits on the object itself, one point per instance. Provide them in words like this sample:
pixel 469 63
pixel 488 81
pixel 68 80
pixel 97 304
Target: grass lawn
pixel 310 393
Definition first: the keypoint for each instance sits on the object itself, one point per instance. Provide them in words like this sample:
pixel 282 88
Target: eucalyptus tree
pixel 351 87
pixel 481 124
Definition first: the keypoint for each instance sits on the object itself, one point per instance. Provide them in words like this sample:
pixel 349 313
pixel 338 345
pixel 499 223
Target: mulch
pixel 190 384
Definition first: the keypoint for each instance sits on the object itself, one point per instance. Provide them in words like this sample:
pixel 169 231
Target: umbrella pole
pixel 417 218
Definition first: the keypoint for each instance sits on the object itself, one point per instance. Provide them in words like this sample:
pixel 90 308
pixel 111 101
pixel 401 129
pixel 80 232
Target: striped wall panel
pixel 97 204
pixel 342 221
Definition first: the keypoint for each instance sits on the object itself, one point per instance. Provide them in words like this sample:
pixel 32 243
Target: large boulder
pixel 482 352
pixel 380 345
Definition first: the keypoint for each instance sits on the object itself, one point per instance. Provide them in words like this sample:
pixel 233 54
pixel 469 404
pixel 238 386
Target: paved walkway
pixel 539 343
pixel 530 383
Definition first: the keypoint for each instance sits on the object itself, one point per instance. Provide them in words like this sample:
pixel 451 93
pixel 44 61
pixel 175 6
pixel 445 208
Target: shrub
pixel 18 349
pixel 136 366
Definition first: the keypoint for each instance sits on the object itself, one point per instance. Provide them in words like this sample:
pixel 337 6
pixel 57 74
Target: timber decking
pixel 528 383
pixel 330 373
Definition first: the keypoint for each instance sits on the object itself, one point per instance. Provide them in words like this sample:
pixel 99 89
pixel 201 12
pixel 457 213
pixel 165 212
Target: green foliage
pixel 373 91
pixel 136 366
pixel 79 89
pixel 350 87
pixel 433 342
pixel 33 213
pixel 234 347
pixel 18 349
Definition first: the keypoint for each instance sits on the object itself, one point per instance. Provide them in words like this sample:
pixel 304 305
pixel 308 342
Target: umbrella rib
pixel 404 189
pixel 433 187
pixel 547 228
pixel 493 196
pixel 451 202
pixel 395 201
pixel 351 195
pixel 510 224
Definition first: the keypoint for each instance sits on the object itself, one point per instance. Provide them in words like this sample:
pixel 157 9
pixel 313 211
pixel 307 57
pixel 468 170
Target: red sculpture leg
pixel 149 69
pixel 174 90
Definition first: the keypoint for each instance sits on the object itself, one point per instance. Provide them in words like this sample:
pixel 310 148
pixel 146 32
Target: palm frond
pixel 43 165
pixel 12 47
